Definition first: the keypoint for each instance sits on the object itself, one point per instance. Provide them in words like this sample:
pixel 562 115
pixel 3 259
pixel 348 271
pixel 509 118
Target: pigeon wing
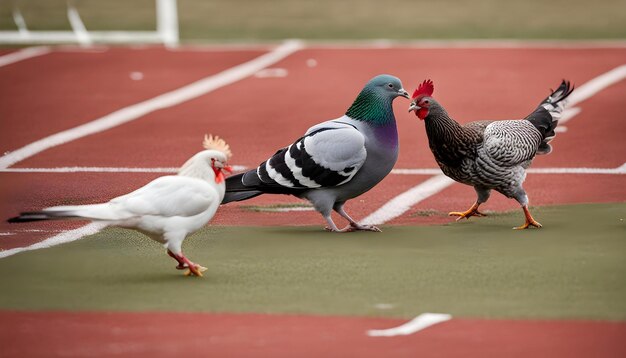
pixel 328 155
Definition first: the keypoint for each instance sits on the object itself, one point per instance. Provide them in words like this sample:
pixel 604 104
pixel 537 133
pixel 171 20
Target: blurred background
pixel 258 20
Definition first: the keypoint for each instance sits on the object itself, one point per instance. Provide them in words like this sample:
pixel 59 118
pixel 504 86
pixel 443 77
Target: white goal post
pixel 166 31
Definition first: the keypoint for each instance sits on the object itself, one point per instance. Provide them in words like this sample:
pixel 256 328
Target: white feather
pixel 167 209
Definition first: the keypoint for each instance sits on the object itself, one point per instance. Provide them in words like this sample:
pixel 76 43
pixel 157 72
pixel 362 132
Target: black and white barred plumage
pixel 491 154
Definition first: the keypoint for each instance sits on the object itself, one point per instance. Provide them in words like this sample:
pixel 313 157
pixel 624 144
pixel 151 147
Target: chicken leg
pixel 473 211
pixel 529 220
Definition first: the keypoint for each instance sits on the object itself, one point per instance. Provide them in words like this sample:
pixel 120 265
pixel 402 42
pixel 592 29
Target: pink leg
pixel 181 263
pixel 185 263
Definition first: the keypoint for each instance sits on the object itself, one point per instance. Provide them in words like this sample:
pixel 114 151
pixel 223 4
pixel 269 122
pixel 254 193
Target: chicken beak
pixel 228 168
pixel 403 93
pixel 413 107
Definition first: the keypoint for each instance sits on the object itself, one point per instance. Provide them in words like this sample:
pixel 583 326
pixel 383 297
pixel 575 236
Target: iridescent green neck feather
pixel 371 107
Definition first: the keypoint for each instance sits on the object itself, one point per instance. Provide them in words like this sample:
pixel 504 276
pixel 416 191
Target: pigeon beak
pixel 403 93
pixel 413 107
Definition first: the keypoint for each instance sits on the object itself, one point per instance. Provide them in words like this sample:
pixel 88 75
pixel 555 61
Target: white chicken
pixel 167 209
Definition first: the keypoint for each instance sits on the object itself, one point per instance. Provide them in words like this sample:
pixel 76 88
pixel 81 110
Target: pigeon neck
pixel 371 108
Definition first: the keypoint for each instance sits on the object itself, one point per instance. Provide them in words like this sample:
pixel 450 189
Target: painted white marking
pixel 284 210
pixel 403 202
pixel 596 85
pixel 417 324
pixel 568 113
pixel 23 54
pixel 166 100
pixel 311 62
pixel 419 171
pixel 384 306
pixel 618 170
pixel 100 170
pixel 240 168
pixel 136 76
pixel 586 91
pixel 62 238
pixel 272 72
pixel 466 44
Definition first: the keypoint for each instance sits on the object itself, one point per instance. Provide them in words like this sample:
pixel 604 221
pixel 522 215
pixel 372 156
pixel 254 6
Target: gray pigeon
pixel 334 161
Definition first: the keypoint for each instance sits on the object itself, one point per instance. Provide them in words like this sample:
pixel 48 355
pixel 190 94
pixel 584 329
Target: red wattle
pixel 422 113
pixel 219 176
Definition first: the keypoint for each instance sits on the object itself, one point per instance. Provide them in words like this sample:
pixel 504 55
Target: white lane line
pixel 417 324
pixel 23 54
pixel 596 85
pixel 101 170
pixel 465 44
pixel 239 168
pixel 618 170
pixel 403 202
pixel 169 99
pixel 587 91
pixel 417 171
pixel 62 238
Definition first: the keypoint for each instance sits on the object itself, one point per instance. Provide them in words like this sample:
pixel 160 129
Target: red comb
pixel 426 88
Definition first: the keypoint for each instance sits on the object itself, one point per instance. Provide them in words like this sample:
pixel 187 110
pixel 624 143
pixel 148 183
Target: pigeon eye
pixel 390 85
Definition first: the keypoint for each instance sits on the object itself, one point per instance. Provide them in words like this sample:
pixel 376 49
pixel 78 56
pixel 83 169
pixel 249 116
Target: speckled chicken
pixel 489 155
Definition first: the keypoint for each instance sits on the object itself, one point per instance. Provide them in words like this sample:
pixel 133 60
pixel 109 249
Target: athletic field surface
pixel 83 125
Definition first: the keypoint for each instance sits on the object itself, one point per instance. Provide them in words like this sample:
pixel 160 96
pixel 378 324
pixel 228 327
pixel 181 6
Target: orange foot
pixel 473 211
pixel 529 221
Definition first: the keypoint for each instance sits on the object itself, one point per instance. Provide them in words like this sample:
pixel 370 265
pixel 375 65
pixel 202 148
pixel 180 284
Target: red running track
pixel 46 94
pixel 158 334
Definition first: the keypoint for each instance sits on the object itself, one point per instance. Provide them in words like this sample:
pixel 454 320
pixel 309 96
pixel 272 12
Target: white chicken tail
pixel 90 212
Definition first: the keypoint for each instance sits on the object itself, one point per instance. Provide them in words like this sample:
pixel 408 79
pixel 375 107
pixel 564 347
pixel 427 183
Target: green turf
pixel 237 20
pixel 573 268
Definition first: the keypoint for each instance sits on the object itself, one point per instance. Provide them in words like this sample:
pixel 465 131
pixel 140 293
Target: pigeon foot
pixel 356 227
